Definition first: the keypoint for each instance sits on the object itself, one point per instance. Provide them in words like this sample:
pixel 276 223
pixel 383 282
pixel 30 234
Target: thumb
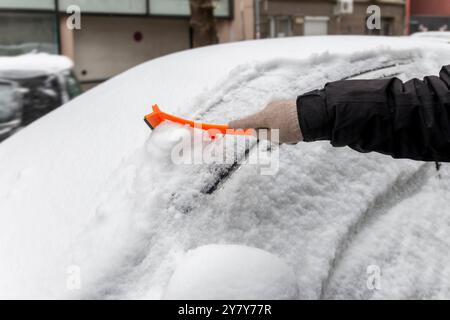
pixel 253 121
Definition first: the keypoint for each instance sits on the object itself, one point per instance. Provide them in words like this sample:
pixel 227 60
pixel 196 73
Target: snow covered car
pixel 443 36
pixel 93 206
pixel 10 108
pixel 45 81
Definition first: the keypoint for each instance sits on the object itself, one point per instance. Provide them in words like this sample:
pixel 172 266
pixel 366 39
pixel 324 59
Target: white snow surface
pixel 438 35
pixel 36 63
pixel 89 185
pixel 231 272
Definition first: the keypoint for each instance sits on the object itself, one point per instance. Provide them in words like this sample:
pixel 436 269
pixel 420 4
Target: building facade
pixel 279 18
pixel 429 15
pixel 115 35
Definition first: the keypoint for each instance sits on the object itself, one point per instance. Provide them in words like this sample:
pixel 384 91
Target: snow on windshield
pixel 307 214
pixel 95 193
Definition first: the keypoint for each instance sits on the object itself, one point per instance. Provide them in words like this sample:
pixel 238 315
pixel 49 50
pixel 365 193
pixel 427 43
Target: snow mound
pixel 231 272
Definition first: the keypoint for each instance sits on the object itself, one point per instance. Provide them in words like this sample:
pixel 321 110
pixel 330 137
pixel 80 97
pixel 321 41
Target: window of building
pixel 28 4
pixel 424 23
pixel 126 7
pixel 316 26
pixel 280 26
pixel 181 7
pixel 169 7
pixel 387 28
pixel 107 6
pixel 26 32
pixel 223 9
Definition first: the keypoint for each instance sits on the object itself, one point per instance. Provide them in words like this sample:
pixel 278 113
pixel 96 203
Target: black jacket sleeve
pixel 404 120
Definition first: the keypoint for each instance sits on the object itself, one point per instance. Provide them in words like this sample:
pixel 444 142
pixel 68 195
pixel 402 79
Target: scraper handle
pixel 155 118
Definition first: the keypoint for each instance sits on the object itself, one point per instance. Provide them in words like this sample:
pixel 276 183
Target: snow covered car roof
pixel 433 35
pixel 90 190
pixel 33 64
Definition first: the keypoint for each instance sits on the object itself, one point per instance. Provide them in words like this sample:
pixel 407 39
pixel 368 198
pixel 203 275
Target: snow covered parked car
pixel 93 206
pixel 443 36
pixel 45 82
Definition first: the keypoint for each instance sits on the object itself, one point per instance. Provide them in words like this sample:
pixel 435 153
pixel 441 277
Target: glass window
pixel 25 32
pixel 222 8
pixel 107 6
pixel 28 4
pixel 181 7
pixel 280 26
pixel 8 103
pixel 157 7
pixel 170 7
pixel 387 26
pixel 73 86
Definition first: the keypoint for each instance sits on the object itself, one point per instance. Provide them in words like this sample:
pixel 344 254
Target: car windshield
pixel 43 95
pixel 73 86
pixel 7 101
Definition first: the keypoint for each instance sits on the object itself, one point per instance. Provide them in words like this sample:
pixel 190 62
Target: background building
pixel 115 35
pixel 430 15
pixel 279 18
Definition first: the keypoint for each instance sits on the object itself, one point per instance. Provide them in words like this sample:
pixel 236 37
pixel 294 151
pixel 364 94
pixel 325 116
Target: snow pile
pixel 89 185
pixel 223 272
pixel 35 63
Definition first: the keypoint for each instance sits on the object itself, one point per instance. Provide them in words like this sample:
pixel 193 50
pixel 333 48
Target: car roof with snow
pixel 434 34
pixel 443 36
pixel 33 65
pixel 90 187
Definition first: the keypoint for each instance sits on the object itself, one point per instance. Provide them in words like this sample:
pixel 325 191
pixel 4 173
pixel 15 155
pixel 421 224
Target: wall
pixel 67 41
pixel 242 27
pixel 430 7
pixel 105 46
pixel 356 23
pixel 430 15
pixel 346 24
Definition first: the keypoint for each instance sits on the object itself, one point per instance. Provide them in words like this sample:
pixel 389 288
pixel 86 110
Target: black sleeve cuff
pixel 315 122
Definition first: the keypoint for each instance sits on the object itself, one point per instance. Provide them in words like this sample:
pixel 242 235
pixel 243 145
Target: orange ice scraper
pixel 155 118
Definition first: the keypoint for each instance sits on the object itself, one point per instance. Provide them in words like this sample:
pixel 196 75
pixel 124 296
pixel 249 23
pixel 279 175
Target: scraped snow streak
pixel 89 186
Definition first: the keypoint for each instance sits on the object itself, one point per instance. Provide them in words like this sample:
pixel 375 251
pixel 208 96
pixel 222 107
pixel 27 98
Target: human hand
pixel 278 115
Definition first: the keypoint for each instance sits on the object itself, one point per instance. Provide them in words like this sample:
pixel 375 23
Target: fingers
pixel 259 133
pixel 279 119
